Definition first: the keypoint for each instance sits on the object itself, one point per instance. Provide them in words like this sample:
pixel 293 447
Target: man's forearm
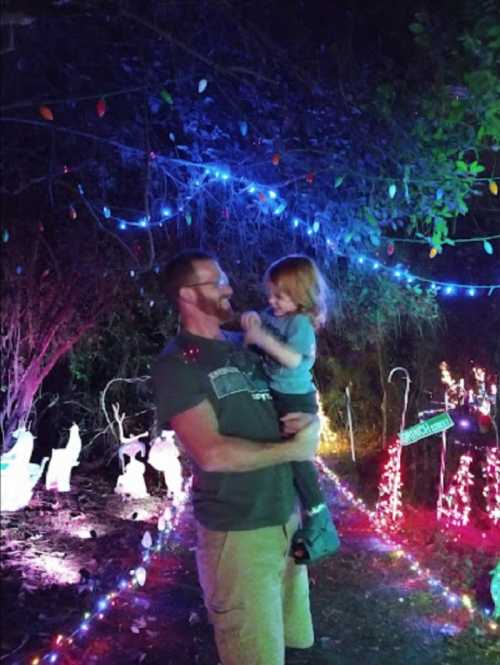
pixel 233 455
pixel 212 451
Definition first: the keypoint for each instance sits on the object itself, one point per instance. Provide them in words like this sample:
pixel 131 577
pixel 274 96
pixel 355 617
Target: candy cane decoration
pixel 395 497
pixel 407 391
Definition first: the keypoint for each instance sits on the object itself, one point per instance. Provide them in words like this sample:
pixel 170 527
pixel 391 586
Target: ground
pixel 64 552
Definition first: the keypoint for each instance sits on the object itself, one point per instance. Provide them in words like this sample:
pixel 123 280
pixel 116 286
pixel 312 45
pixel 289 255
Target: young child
pixel 297 296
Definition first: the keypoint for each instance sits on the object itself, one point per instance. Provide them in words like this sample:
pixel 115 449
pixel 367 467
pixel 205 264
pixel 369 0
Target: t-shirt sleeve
pixel 178 386
pixel 301 337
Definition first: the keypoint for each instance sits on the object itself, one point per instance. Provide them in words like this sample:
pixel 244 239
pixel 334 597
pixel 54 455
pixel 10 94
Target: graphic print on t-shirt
pixel 228 381
pixel 239 376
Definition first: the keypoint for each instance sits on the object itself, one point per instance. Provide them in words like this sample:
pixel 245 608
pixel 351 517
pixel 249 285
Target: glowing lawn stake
pixel 442 466
pixel 349 421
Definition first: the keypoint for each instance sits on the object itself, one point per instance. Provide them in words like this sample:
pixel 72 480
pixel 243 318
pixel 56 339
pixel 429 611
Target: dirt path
pixel 369 608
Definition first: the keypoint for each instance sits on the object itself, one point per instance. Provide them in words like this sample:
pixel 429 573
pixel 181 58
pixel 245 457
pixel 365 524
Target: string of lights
pixel 167 522
pixel 401 274
pixel 388 510
pixel 471 446
pixel 457 500
pixel 166 525
pixel 491 490
pixel 455 241
pixel 453 599
pixel 271 202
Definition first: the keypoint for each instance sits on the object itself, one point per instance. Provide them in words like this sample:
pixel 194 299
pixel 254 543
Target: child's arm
pixel 259 336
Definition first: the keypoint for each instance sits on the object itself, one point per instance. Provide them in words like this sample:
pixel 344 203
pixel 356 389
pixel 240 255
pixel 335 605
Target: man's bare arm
pixel 198 431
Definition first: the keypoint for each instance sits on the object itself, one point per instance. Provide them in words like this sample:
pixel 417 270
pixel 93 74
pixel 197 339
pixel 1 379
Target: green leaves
pixel 167 97
pixel 416 28
pixel 474 168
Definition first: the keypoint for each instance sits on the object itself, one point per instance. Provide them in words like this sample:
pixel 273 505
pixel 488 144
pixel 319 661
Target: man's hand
pixel 294 422
pixel 306 440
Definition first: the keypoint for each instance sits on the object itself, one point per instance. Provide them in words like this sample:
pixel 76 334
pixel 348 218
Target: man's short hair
pixel 180 271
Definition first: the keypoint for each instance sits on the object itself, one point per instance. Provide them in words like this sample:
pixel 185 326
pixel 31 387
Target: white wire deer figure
pixel 131 481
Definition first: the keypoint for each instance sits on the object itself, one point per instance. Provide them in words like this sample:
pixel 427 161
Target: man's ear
pixel 187 294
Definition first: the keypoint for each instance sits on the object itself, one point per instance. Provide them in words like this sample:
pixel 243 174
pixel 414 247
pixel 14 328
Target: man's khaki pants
pixel 256 596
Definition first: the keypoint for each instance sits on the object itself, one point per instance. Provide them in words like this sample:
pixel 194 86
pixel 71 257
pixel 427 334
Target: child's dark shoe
pixel 317 539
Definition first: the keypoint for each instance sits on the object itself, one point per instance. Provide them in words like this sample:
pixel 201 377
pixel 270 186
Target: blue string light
pixel 272 202
pixel 105 603
pixel 437 286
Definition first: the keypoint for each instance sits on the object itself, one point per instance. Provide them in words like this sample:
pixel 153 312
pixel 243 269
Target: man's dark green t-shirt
pixel 191 369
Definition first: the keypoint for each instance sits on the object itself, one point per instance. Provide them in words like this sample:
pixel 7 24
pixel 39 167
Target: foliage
pixel 115 121
pixel 124 348
pixel 357 165
pixel 51 296
pixel 375 307
pixel 378 324
pixel 459 116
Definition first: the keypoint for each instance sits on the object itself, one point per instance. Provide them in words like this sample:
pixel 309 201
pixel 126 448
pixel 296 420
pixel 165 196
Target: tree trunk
pixel 17 416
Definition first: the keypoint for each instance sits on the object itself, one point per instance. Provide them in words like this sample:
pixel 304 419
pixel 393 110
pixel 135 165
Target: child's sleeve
pixel 301 337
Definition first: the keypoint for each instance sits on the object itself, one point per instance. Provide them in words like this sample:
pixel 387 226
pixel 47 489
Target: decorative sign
pixel 434 425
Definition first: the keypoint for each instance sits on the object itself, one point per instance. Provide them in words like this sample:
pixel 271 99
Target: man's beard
pixel 220 309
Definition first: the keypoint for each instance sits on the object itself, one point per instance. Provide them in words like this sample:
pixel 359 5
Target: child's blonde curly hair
pixel 300 278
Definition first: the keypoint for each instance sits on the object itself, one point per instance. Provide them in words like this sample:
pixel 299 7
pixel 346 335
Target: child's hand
pixel 252 325
pixel 255 336
pixel 250 319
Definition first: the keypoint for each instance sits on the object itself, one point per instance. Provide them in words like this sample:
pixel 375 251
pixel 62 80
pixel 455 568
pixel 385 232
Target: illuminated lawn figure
pixel 62 462
pixel 18 476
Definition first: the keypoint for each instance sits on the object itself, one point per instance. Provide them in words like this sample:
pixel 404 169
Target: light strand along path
pixel 369 609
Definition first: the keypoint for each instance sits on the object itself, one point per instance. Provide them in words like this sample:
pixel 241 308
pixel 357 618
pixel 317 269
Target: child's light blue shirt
pixel 295 330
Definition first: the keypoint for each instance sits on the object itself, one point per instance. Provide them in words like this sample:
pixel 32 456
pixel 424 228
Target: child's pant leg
pixel 306 480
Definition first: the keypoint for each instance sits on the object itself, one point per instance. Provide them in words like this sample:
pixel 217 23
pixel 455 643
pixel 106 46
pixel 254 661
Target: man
pixel 214 394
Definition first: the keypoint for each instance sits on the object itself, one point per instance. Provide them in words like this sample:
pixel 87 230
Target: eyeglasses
pixel 219 283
